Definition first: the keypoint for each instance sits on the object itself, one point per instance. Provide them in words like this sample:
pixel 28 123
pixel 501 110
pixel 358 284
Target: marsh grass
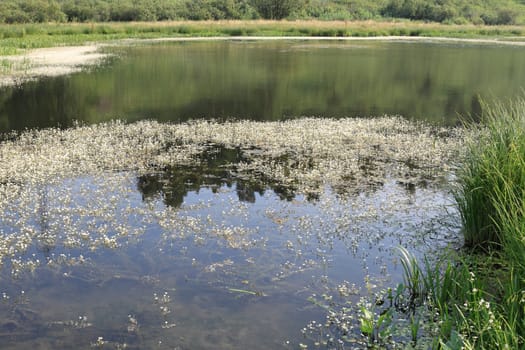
pixel 479 296
pixel 492 180
pixel 5 65
pixel 26 36
pixel 467 308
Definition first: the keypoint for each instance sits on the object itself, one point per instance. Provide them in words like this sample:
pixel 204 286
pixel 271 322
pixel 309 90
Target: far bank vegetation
pixel 488 12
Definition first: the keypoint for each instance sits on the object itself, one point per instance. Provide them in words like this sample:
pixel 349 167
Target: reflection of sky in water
pixel 227 273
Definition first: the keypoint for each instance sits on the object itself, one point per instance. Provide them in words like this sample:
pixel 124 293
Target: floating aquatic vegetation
pixel 67 195
pixel 39 172
pixel 308 152
pixel 306 155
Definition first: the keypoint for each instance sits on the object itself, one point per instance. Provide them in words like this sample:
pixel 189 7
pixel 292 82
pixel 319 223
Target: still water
pixel 198 254
pixel 435 82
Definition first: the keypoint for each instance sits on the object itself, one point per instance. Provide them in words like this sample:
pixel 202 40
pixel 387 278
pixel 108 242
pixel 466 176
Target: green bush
pixel 277 9
pixel 501 17
pixel 24 11
pixel 495 12
pixel 86 10
pixel 437 11
pixel 11 13
pixel 216 10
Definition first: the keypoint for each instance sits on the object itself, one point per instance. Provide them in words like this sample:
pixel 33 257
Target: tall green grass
pixel 479 299
pixel 492 180
pixel 471 306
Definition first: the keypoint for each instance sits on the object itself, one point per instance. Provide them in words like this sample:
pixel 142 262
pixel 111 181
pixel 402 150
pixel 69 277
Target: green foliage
pixel 211 10
pixel 493 12
pixel 25 11
pixel 376 327
pixel 413 275
pixel 491 194
pixel 436 11
pixel 501 17
pixel 86 10
pixel 277 9
pixel 340 10
pixel 490 311
pixel 474 306
pixel 455 11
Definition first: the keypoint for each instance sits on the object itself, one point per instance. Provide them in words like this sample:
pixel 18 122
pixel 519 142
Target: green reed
pixel 480 298
pixel 470 307
pixel 492 179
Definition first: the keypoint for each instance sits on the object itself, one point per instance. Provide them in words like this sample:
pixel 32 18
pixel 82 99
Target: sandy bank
pixel 48 62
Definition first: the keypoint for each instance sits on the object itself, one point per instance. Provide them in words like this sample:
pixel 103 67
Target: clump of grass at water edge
pixel 478 297
pixel 475 298
pixel 492 179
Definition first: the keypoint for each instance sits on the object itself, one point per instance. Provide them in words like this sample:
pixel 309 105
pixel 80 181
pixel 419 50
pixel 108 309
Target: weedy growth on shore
pixel 18 37
pixel 491 201
pixel 491 183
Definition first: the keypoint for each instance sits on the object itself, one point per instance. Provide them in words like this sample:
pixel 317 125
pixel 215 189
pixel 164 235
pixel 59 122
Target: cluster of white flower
pixel 77 188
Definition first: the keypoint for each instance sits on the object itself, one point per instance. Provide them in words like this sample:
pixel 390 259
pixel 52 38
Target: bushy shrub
pixel 11 13
pixel 438 11
pixel 42 10
pixel 454 11
pixel 24 11
pixel 217 9
pixel 86 10
pixel 277 9
pixel 501 17
pixel 321 12
pixel 447 11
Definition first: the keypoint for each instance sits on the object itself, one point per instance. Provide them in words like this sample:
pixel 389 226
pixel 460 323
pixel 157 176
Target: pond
pixel 257 230
pixel 254 80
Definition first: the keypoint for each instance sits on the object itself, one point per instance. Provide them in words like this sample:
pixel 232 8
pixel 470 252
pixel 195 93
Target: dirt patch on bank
pixel 48 62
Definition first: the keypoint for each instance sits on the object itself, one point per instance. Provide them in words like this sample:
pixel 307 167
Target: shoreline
pixel 64 60
pixel 49 62
pixel 501 41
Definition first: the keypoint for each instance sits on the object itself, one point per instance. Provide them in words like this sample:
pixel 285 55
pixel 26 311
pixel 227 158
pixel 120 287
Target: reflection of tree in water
pixel 216 167
pixel 213 169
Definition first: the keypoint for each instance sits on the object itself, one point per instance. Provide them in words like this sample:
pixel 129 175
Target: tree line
pixel 491 12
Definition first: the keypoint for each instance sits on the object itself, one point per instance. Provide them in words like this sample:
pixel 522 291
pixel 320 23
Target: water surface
pixel 229 236
pixel 435 82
